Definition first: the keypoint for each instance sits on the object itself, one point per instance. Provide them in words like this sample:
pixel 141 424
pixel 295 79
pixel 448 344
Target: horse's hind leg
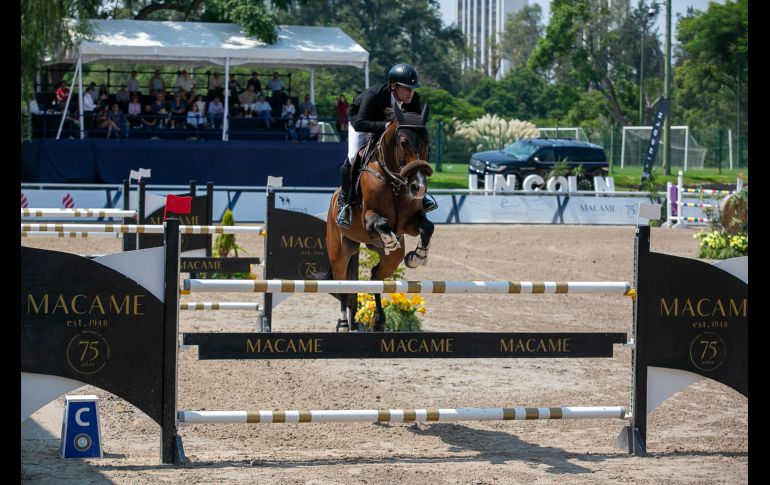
pixel 421 226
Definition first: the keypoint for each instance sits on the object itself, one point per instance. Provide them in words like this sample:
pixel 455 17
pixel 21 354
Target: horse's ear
pixel 425 113
pixel 399 114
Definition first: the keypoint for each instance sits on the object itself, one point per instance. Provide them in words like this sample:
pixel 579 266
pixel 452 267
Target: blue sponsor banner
pixel 652 146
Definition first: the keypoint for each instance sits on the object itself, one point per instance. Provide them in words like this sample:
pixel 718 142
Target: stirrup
pixel 429 203
pixel 344 215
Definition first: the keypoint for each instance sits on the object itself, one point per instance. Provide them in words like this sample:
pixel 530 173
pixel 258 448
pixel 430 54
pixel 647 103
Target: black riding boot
pixel 429 203
pixel 343 206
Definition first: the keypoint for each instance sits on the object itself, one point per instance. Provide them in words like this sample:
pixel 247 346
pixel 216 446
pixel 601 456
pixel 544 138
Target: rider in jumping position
pixel 369 121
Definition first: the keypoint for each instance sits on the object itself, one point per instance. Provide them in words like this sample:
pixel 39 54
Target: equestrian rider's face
pixel 403 93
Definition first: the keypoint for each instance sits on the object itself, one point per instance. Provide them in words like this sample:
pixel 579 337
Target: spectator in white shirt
pixel 194 118
pixel 262 110
pixel 275 84
pixel 216 112
pixel 133 84
pixel 184 84
pixel 33 107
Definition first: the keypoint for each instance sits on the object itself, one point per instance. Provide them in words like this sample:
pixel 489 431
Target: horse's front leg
pixel 419 226
pixel 377 223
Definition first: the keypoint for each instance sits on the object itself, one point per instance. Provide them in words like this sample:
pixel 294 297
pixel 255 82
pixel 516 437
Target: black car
pixel 538 156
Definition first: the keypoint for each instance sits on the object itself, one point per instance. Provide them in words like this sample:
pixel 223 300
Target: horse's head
pixel 406 149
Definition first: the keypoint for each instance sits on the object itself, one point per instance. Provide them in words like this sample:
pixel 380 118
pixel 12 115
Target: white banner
pixel 249 207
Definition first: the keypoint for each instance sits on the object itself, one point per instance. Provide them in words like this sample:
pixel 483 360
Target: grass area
pixel 455 176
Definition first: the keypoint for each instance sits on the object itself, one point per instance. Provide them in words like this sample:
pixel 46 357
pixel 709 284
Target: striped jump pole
pixel 223 305
pixel 140 228
pixel 425 286
pixel 51 212
pixel 696 219
pixel 400 415
pixel 708 191
pixel 70 234
pixel 701 205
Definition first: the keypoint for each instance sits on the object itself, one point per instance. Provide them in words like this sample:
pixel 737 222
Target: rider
pixel 369 120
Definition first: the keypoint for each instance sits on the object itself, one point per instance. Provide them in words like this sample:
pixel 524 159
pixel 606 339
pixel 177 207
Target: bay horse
pixel 392 184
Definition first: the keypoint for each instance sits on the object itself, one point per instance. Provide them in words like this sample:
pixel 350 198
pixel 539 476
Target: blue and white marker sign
pixel 81 431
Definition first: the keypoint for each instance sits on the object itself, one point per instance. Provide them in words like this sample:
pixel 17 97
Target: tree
pixel 581 37
pixel 714 60
pixel 392 31
pixel 522 31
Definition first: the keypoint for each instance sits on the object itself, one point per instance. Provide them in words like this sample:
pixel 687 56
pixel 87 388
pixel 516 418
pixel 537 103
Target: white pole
pixel 366 74
pixel 623 148
pixel 312 87
pixel 141 228
pixel 400 415
pixel 730 145
pixel 52 212
pixel 225 127
pixel 681 221
pixel 67 104
pixel 686 146
pixel 669 206
pixel 424 286
pixel 80 97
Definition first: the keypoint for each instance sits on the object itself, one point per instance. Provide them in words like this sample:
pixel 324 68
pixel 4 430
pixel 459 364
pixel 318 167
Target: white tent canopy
pixel 198 43
pixel 140 41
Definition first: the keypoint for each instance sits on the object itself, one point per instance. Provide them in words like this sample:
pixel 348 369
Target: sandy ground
pixel 698 436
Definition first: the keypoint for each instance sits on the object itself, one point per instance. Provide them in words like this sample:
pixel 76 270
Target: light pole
pixel 667 95
pixel 651 12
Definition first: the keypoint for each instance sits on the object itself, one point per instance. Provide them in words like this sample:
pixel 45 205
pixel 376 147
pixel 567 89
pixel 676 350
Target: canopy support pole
pixel 225 124
pixel 312 86
pixel 366 75
pixel 69 97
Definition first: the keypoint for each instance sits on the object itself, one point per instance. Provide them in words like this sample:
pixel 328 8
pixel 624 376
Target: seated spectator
pixel 254 81
pixel 118 120
pixel 149 121
pixel 122 97
pixel 178 107
pixel 275 84
pixel 184 85
pixel 216 112
pixel 62 93
pixel 133 85
pixel 234 87
pixel 288 111
pixel 156 84
pixel 306 122
pixel 104 96
pixel 307 105
pixel 262 110
pixel 216 86
pixel 134 111
pixel 89 105
pixel 195 119
pixel 159 109
pixel 103 121
pixel 32 106
pixel 247 100
pixel 201 105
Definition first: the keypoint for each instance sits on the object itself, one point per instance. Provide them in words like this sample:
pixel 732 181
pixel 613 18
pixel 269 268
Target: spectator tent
pixel 197 43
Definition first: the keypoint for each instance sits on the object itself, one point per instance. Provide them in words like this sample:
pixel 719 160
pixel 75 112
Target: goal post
pixel 685 151
pixel 574 132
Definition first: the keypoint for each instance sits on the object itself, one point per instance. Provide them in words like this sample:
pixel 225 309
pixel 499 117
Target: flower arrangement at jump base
pixel 401 310
pixel 728 237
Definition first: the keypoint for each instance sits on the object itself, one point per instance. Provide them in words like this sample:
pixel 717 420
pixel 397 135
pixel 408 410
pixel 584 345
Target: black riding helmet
pixel 405 75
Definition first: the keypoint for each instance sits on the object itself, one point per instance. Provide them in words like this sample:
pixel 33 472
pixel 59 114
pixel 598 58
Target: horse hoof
pixel 342 326
pixel 413 260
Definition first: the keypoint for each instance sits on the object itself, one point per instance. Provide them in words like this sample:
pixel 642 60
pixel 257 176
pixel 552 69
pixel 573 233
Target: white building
pixel 482 21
